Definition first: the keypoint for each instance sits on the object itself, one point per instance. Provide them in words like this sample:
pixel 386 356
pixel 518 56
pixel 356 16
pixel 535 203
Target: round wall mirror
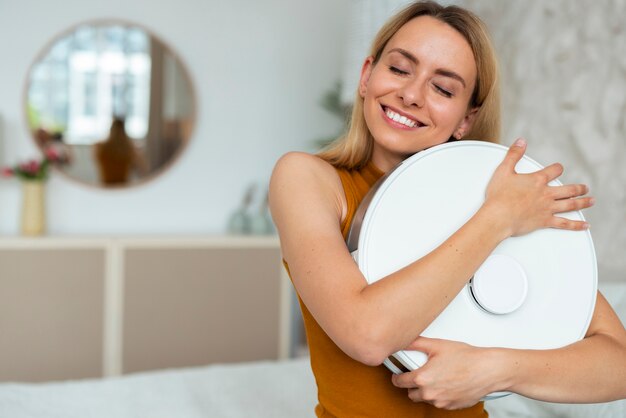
pixel 110 103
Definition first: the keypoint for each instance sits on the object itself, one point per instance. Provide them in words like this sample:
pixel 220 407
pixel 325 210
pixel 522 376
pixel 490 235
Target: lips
pixel 401 118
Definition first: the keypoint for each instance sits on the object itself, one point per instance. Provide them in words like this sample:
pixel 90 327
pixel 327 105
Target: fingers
pixel 419 390
pixel 551 172
pixel 567 199
pixel 405 380
pixel 514 154
pixel 422 344
pixel 411 382
pixel 416 395
pixel 564 223
pixel 568 191
pixel 568 205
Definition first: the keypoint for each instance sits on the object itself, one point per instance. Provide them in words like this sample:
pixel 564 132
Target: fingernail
pixel 520 142
pixel 592 201
pixel 586 225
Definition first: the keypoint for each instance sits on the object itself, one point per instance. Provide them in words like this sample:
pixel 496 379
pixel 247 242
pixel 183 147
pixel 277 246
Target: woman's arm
pixel 591 370
pixel 369 322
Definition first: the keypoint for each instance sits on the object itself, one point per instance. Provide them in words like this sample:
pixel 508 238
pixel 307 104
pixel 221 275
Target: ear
pixel 366 71
pixel 466 124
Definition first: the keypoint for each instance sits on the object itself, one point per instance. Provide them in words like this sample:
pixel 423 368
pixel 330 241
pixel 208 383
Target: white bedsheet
pixel 244 390
pixel 255 390
pixel 283 389
pixel 516 406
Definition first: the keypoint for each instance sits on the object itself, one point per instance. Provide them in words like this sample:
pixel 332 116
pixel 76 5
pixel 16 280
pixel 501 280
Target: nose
pixel 412 93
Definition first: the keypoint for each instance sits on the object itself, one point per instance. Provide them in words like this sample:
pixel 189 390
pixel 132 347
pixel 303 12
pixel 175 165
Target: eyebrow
pixel 440 71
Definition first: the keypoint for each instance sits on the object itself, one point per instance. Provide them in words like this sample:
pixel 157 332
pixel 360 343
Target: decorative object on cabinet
pixel 100 72
pixel 260 221
pixel 252 216
pixel 239 220
pixel 33 220
pixel 33 175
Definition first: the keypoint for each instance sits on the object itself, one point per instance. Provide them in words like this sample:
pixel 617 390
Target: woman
pixel 116 156
pixel 431 77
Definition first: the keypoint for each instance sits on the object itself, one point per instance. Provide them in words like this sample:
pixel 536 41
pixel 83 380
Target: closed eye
pixel 443 91
pixel 396 70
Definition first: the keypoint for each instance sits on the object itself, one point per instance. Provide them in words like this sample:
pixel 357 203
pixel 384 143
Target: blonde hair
pixel 354 149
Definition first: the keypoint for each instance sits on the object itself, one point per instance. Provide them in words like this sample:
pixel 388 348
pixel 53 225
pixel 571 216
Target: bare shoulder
pixel 303 165
pixel 306 197
pixel 299 171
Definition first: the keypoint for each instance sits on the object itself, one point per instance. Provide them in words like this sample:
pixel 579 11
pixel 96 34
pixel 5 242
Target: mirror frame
pixel 45 49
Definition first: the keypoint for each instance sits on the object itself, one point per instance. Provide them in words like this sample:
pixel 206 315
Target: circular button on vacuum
pixel 500 285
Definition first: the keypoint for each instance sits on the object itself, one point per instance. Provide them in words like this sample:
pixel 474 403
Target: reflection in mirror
pixel 113 101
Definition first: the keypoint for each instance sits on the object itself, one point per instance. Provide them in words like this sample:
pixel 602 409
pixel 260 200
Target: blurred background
pixel 257 71
pixel 258 79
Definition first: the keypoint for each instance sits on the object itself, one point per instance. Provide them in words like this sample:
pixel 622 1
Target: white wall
pixel 259 68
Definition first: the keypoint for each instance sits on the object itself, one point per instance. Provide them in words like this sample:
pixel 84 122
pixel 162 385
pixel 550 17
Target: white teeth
pixel 400 119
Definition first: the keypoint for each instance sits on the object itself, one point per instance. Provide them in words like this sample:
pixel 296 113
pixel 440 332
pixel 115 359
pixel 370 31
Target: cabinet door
pixel 51 313
pixel 193 306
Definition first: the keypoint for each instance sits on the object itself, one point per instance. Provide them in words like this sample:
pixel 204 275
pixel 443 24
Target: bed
pixel 279 389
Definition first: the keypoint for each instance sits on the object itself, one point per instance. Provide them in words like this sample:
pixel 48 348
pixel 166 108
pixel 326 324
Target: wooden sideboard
pixel 89 307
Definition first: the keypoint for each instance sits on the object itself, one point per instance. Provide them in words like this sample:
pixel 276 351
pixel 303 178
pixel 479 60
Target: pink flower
pixel 28 170
pixel 52 154
pixel 32 166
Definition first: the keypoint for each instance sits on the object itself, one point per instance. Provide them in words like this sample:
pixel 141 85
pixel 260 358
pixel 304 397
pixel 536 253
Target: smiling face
pixel 417 95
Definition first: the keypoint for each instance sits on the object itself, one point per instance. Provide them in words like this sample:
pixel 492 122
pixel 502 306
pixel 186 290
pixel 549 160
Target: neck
pixel 385 161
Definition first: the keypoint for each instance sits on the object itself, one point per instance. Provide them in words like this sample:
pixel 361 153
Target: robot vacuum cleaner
pixel 535 291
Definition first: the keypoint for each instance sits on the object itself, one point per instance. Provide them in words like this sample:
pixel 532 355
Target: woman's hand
pixel 456 375
pixel 525 202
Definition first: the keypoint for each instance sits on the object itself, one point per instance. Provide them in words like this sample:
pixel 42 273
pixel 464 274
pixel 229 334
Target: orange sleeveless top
pixel 347 388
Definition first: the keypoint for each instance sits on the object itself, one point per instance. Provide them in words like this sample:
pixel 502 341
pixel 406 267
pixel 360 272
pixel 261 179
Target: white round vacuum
pixel 535 291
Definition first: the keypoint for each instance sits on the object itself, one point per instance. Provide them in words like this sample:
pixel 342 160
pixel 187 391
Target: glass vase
pixel 33 207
